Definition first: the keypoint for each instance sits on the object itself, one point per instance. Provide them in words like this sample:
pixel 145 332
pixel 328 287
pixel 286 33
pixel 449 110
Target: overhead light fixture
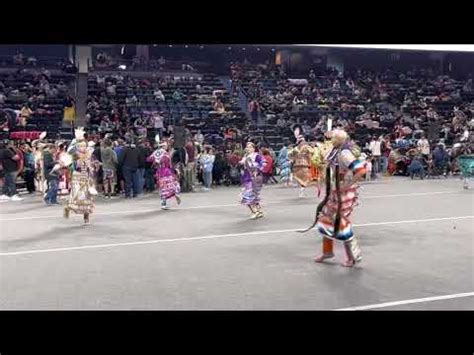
pixel 122 67
pixel 122 51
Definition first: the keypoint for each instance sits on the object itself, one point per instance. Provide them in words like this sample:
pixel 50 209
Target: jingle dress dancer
pixel 81 197
pixel 301 156
pixel 165 175
pixel 252 180
pixel 343 170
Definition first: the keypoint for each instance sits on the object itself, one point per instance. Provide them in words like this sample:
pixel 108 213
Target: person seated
pixel 177 95
pixel 219 107
pixel 31 61
pixel 18 59
pixel 158 95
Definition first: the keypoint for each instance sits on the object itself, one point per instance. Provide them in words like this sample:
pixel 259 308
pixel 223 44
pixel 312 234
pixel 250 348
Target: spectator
pixel 158 95
pixel 219 106
pixel 199 137
pixel 190 171
pixel 219 168
pixel 9 158
pixel 254 109
pixel 423 147
pixel 109 168
pixel 177 95
pixel 206 160
pixel 129 161
pixel 440 159
pixel 142 156
pixel 375 147
pixel 29 168
pixel 25 114
pixel 158 123
pixel 267 171
pixel 51 170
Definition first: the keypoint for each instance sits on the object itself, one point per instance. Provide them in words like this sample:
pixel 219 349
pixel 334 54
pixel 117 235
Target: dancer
pixel 165 175
pixel 252 180
pixel 81 197
pixel 466 164
pixel 284 163
pixel 64 183
pixel 301 157
pixel 343 171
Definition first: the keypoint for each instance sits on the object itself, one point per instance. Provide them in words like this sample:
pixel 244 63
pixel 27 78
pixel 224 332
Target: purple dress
pixel 251 179
pixel 165 174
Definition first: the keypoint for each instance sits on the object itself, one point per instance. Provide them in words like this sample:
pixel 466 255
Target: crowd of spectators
pixel 397 107
pixel 34 99
pixel 410 123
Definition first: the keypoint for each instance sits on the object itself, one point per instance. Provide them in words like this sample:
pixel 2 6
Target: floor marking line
pixel 411 301
pixel 158 241
pixel 105 213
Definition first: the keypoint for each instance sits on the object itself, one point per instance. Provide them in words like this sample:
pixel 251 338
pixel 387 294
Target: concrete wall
pixel 83 57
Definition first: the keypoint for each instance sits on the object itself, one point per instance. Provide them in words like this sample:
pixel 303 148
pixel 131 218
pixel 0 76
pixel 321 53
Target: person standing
pixel 190 171
pixel 29 170
pixel 423 147
pixel 9 161
pixel 206 160
pixel 129 163
pixel 51 174
pixel 375 147
pixel 254 108
pixel 109 168
pixel 142 155
pixel 267 171
pixel 385 150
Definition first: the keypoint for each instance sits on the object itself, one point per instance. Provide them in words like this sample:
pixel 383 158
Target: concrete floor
pixel 416 237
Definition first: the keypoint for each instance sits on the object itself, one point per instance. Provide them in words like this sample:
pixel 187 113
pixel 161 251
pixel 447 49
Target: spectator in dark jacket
pixel 440 159
pixel 142 155
pixel 129 161
pixel 51 173
pixel 8 161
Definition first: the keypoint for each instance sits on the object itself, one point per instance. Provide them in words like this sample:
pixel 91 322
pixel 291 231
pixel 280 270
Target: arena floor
pixel 416 238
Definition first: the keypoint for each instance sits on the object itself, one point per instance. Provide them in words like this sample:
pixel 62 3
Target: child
pixel 368 167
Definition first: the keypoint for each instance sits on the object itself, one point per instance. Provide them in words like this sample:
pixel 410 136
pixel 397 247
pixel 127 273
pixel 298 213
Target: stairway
pixel 81 98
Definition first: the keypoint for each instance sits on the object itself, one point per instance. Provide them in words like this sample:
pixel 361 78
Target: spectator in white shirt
pixel 423 146
pixel 158 124
pixel 111 90
pixel 158 95
pixel 375 147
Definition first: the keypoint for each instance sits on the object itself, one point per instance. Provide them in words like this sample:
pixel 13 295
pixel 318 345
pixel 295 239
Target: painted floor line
pixel 411 301
pixel 158 241
pixel 105 213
